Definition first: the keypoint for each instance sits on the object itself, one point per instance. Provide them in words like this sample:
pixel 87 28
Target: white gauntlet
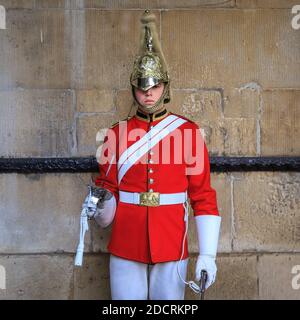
pixel 101 205
pixel 208 228
pixel 106 210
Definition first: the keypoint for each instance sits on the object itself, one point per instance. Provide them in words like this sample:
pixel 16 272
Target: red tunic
pixel 155 234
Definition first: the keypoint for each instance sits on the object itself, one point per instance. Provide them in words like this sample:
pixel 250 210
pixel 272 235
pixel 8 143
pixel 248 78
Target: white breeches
pixel 129 280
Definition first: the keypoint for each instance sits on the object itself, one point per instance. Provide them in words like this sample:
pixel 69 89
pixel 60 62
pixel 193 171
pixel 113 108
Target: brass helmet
pixel 150 66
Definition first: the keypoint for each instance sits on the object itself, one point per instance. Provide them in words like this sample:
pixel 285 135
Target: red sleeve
pixel 108 177
pixel 202 196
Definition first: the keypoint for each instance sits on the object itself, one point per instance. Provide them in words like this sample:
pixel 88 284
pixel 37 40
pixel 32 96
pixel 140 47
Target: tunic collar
pixel 149 117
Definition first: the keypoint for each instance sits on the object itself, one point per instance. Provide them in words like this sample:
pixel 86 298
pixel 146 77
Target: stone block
pixel 266 211
pixel 90 129
pixel 36 123
pixel 279 276
pixel 239 136
pixel 230 136
pixel 160 4
pixel 37 50
pixel 95 101
pixel 197 104
pixel 91 282
pixel 60 4
pixel 273 4
pixel 37 277
pixel 280 123
pixel 242 102
pixel 41 212
pixel 18 4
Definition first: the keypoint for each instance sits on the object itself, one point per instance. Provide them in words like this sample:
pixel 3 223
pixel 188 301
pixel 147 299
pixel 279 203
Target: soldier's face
pixel 151 96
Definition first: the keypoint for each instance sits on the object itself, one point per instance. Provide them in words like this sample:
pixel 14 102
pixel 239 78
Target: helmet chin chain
pixel 156 106
pixel 150 109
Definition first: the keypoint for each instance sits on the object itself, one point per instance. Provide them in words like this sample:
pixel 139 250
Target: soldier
pixel 145 199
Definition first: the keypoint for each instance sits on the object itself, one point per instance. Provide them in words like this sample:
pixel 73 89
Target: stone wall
pixel 64 74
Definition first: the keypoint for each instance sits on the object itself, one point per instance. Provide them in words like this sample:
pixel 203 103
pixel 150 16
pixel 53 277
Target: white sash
pixel 148 141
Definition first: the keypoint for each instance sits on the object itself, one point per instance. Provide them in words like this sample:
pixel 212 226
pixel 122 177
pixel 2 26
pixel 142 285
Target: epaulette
pixel 114 124
pixel 183 117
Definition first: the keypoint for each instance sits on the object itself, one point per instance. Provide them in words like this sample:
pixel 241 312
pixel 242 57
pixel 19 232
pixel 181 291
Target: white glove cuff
pixel 208 229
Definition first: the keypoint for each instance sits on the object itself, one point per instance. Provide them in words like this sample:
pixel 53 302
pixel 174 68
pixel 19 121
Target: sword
pixel 84 226
pixel 203 280
pixel 88 206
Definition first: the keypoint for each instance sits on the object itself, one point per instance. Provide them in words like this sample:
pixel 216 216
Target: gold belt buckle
pixel 150 199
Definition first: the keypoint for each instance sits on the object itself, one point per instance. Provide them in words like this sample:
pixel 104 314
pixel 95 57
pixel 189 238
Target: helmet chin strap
pixel 155 107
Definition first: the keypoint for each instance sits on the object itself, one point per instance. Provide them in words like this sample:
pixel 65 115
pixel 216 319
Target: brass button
pixel 151 152
pixel 151 180
pixel 150 190
pixel 150 161
pixel 150 170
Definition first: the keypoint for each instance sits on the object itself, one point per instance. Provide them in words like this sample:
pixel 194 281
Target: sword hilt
pixel 203 280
